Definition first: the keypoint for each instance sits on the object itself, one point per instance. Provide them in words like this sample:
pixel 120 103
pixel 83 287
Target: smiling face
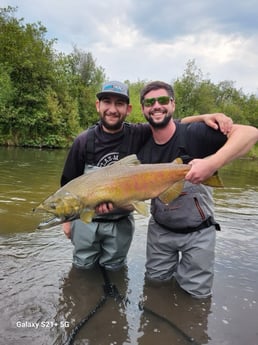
pixel 158 107
pixel 113 111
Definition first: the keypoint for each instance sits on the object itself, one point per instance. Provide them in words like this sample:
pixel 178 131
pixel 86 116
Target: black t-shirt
pixel 200 141
pixel 107 147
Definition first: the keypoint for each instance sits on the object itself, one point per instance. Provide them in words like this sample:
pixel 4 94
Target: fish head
pixel 62 204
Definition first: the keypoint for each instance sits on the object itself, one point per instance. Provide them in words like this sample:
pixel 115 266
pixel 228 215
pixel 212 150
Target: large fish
pixel 124 183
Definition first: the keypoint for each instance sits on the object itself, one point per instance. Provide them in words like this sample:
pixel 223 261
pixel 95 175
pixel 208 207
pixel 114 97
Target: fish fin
pixel 175 190
pixel 87 215
pixel 128 160
pixel 178 160
pixel 172 192
pixel 141 207
pixel 214 181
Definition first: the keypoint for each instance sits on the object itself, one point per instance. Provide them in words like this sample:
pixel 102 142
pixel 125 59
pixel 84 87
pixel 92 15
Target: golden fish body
pixel 127 182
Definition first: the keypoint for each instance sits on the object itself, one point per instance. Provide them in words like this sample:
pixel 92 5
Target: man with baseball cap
pixel 106 240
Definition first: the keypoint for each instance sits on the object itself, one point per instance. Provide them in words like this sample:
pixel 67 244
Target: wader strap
pixel 123 149
pixel 90 145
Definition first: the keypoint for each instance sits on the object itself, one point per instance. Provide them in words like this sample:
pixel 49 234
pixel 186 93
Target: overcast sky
pixel 150 40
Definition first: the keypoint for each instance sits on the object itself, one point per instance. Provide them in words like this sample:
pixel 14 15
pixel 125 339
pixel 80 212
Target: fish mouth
pixel 55 221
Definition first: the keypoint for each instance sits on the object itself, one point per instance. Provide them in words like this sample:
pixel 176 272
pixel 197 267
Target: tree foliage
pixel 196 95
pixel 47 98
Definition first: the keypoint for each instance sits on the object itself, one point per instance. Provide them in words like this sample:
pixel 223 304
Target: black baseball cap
pixel 114 88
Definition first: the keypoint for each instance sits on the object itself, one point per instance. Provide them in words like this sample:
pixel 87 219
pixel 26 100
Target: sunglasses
pixel 162 100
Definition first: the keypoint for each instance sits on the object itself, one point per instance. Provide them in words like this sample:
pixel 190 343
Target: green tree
pixel 196 95
pixel 89 78
pixel 135 89
pixel 250 110
pixel 27 56
pixel 186 90
pixel 54 94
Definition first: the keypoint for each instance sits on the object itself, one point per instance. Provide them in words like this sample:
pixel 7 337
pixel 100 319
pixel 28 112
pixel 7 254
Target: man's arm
pixel 216 121
pixel 240 140
pixel 75 160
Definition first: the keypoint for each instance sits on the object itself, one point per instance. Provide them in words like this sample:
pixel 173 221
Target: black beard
pixel 112 127
pixel 159 125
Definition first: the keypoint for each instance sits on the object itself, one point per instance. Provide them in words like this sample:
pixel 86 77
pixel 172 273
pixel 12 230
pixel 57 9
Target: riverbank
pixel 252 154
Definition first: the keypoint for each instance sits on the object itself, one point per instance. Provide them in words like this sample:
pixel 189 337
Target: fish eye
pixel 53 205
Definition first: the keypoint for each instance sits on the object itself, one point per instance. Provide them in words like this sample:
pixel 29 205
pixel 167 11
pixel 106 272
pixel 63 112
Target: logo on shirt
pixel 108 159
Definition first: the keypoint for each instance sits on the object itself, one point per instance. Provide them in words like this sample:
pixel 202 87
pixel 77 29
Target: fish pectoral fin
pixel 172 192
pixel 141 207
pixel 87 215
pixel 214 181
pixel 128 160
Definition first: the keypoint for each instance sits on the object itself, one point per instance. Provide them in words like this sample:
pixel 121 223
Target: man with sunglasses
pixel 181 234
pixel 106 240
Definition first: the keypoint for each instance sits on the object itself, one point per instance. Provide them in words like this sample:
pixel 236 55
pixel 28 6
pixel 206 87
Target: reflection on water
pixel 38 285
pixel 27 177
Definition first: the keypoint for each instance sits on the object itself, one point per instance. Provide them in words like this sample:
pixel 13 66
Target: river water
pixel 42 298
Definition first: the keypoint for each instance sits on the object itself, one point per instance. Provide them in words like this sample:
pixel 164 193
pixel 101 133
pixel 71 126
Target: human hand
pixel 218 121
pixel 200 170
pixel 105 207
pixel 67 229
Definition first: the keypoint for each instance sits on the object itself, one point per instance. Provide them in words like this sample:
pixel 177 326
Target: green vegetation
pixel 47 98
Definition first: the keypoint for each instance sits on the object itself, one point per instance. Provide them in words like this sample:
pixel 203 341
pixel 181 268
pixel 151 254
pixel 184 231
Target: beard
pixel 113 127
pixel 161 124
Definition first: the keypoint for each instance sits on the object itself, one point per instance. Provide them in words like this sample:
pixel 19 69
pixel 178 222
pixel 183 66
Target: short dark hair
pixel 155 85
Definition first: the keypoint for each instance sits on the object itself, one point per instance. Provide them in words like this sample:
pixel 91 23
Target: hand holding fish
pixel 201 170
pixel 108 207
pixel 104 208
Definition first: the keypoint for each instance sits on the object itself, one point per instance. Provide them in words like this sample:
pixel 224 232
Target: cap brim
pixel 103 94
